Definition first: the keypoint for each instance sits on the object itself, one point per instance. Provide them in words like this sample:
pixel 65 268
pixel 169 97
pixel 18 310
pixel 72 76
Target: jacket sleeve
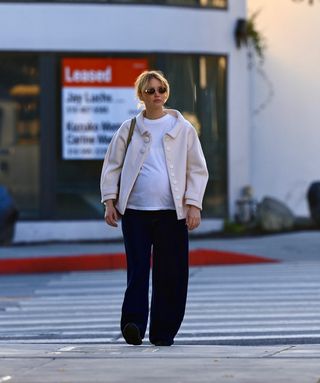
pixel 112 164
pixel 197 172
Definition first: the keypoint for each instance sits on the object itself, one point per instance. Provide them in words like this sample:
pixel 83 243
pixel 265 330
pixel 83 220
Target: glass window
pixel 198 86
pixel 198 91
pixel 20 130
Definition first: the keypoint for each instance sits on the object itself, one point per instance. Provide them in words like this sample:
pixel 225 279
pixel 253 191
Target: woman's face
pixel 154 100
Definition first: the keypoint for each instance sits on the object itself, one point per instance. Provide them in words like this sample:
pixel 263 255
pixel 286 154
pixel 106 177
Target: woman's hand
pixel 193 217
pixel 111 215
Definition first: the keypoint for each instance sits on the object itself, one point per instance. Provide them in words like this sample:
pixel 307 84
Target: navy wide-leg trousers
pixel 162 235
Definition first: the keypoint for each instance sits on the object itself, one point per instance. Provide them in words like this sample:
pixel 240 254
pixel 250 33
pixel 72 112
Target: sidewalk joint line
pixel 279 352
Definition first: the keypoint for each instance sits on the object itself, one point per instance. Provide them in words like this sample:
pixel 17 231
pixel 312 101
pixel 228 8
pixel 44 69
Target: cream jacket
pixel 185 161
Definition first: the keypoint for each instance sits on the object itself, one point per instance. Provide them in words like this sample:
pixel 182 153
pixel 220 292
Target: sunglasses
pixel 160 90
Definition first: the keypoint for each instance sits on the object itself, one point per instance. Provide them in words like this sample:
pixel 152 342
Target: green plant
pixel 255 37
pixel 231 227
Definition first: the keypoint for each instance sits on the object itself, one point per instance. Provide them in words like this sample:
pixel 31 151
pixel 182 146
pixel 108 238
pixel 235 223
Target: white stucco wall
pixel 285 135
pixel 105 27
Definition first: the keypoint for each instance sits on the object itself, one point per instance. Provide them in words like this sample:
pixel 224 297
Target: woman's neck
pixel 154 114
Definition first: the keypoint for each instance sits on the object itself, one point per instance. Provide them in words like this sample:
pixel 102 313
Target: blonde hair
pixel 143 79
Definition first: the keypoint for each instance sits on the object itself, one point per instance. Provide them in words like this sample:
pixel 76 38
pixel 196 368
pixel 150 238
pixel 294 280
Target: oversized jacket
pixel 185 162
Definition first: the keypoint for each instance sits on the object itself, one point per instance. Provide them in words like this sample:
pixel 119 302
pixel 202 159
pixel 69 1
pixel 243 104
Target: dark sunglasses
pixel 160 90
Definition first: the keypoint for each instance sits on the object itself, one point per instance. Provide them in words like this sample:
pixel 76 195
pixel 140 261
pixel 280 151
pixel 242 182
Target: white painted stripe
pixel 197 295
pixel 185 325
pixel 112 316
pixel 261 299
pixel 183 332
pixel 61 300
pixel 248 294
pixel 247 337
pixel 36 328
pixel 85 314
pixel 5 378
pixel 57 321
pixel 87 282
pixel 192 288
pixel 263 304
pixel 191 305
pixel 240 323
pixel 240 329
pixel 190 314
pixel 283 314
pixel 65 308
pixel 105 303
pixel 214 297
pixel 54 334
pixel 79 291
pixel 59 341
pixel 201 283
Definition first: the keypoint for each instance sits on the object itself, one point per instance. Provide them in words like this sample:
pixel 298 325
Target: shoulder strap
pixel 132 125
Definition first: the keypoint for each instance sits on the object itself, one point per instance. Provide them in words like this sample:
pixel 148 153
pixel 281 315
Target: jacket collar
pixel 181 121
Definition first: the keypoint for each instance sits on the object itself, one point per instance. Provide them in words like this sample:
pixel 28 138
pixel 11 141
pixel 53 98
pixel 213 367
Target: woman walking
pixel 154 175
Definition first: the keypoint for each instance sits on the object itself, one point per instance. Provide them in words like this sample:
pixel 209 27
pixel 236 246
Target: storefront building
pixel 66 84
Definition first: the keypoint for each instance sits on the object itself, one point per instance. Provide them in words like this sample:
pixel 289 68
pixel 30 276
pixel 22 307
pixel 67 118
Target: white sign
pixel 97 96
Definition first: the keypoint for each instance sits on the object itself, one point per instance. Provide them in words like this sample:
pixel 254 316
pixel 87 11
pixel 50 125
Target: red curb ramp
pixel 203 257
pixel 91 262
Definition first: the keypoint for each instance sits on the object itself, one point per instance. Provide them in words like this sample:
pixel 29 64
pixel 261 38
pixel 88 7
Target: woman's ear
pixel 140 96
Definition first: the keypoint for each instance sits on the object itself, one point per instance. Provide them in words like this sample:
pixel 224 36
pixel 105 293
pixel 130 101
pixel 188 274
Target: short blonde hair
pixel 143 79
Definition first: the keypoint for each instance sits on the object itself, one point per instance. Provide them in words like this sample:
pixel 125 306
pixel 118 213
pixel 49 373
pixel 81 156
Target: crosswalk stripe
pixel 227 305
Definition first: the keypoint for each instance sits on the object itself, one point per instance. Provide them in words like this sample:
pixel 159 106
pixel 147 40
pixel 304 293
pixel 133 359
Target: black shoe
pixel 163 343
pixel 131 334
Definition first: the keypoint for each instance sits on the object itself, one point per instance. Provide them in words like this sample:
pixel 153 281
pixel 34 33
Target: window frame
pixel 115 2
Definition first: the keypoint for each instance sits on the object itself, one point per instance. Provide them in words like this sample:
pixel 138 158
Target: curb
pixel 116 261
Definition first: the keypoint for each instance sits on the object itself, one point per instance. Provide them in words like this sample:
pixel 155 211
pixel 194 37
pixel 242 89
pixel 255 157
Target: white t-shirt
pixel 151 190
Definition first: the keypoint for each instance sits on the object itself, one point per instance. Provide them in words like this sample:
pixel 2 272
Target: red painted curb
pixel 89 262
pixel 201 257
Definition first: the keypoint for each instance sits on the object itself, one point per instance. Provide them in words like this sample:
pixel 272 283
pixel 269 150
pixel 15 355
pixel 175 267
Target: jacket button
pixel 142 150
pixel 171 166
pixel 146 139
pixel 168 148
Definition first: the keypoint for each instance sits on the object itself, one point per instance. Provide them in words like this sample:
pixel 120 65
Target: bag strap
pixel 132 125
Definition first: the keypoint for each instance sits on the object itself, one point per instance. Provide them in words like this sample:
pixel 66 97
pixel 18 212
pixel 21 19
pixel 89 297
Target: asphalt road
pixel 267 304
pixel 243 324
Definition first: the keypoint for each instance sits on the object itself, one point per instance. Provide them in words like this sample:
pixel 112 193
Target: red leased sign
pixel 101 72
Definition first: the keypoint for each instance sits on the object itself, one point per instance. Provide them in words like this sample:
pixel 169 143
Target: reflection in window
pixel 20 130
pixel 198 91
pixel 213 3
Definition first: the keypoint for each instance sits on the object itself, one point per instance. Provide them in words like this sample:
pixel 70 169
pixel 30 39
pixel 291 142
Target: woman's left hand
pixel 193 217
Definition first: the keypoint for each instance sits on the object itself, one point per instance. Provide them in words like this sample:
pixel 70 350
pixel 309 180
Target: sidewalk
pixel 56 257
pixel 176 364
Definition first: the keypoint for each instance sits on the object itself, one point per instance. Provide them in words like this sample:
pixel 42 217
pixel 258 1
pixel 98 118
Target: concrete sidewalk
pixel 177 364
pixel 54 257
